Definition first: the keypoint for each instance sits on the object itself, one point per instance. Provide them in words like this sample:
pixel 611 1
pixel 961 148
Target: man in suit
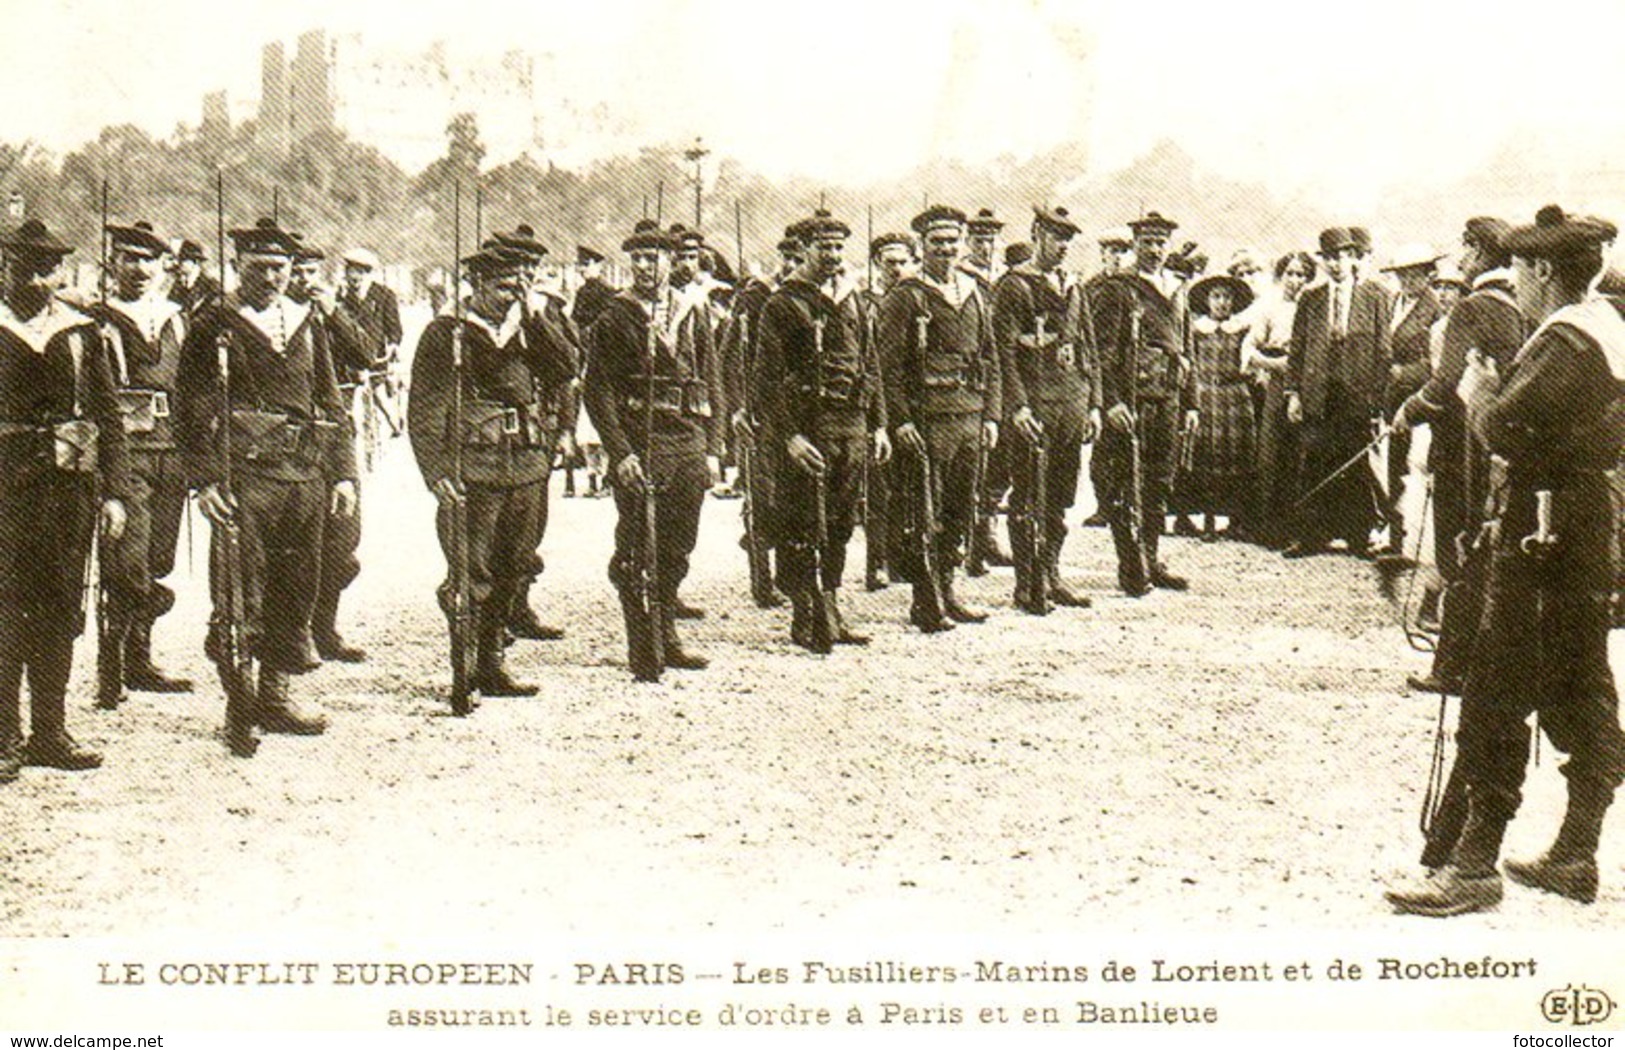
pixel 1337 367
pixel 1410 329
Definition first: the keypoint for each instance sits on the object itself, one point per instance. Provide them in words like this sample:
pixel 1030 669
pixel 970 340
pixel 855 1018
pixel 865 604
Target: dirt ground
pixel 1240 757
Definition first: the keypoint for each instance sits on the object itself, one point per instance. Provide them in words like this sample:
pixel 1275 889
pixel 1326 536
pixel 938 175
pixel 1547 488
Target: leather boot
pixel 985 544
pixel 111 641
pixel 491 676
pixel 1028 597
pixel 1469 881
pixel 1569 867
pixel 278 713
pixel 49 743
pixel 676 656
pixel 524 624
pixel 684 611
pixel 840 633
pixel 1060 593
pixel 242 708
pixel 139 671
pixel 1132 571
pixel 330 645
pixel 11 720
pixel 925 613
pixel 957 611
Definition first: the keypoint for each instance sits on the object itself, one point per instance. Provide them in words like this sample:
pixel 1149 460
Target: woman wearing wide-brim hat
pixel 1224 447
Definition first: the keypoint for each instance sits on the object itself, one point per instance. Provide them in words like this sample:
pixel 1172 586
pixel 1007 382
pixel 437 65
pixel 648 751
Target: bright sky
pixel 1339 99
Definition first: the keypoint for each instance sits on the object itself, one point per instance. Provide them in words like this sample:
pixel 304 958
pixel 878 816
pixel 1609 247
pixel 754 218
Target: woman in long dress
pixel 1264 356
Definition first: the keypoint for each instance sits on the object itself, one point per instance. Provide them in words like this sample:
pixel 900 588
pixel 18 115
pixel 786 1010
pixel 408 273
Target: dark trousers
pixel 1344 508
pixel 145 554
pixel 504 529
pixel 1063 445
pixel 1157 428
pixel 47 522
pixel 951 445
pixel 341 539
pixel 680 480
pixel 1543 648
pixel 802 563
pixel 279 530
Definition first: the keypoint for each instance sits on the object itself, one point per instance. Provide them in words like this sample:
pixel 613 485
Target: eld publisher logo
pixel 1576 1006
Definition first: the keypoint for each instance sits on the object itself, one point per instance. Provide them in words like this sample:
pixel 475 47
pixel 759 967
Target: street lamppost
pixel 695 154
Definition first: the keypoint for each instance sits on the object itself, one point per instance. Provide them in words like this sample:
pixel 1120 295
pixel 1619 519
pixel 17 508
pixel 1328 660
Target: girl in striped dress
pixel 1224 448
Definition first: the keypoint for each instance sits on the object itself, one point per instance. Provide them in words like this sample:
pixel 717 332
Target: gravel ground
pixel 1241 757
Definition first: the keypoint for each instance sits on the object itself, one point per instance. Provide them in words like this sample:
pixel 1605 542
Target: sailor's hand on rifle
pixel 741 425
pixel 1119 418
pixel 447 492
pixel 881 446
pixel 1027 423
pixel 805 455
pixel 1193 420
pixel 908 436
pixel 1091 426
pixel 1294 408
pixel 215 505
pixel 629 473
pixel 990 433
pixel 344 500
pixel 113 519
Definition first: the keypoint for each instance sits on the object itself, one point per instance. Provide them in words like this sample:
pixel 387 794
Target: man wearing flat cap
pixel 1050 397
pixel 1337 369
pixel 1556 417
pixel 144 330
pixel 62 452
pixel 511 366
pixel 653 391
pixel 1146 391
pixel 594 291
pixel 191 287
pixel 818 385
pixel 1487 320
pixel 1410 327
pixel 942 380
pixel 257 370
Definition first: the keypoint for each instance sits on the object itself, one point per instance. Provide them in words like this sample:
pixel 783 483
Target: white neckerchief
pixel 38 331
pixel 1597 318
pixel 502 335
pixel 1500 275
pixel 277 322
pixel 957 289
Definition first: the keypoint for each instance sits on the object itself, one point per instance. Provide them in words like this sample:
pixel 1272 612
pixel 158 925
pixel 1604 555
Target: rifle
pixel 236 663
pixel 1382 435
pixel 824 627
pixel 109 647
pixel 975 564
pixel 459 597
pixel 647 622
pixel 874 540
pixel 1039 572
pixel 1135 509
pixel 925 537
pixel 756 553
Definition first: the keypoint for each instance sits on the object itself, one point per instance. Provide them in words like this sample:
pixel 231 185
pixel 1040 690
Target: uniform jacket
pixel 1155 369
pixel 1033 371
pixel 285 373
pixel 937 358
pixel 815 369
pixel 144 353
pixel 620 344
pixel 56 368
pixel 1360 363
pixel 514 377
pixel 1410 363
pixel 378 316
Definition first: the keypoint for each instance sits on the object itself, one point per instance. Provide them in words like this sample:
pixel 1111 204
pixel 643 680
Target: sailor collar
pixel 38 331
pixel 1599 320
pixel 279 322
pixel 957 289
pixel 150 314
